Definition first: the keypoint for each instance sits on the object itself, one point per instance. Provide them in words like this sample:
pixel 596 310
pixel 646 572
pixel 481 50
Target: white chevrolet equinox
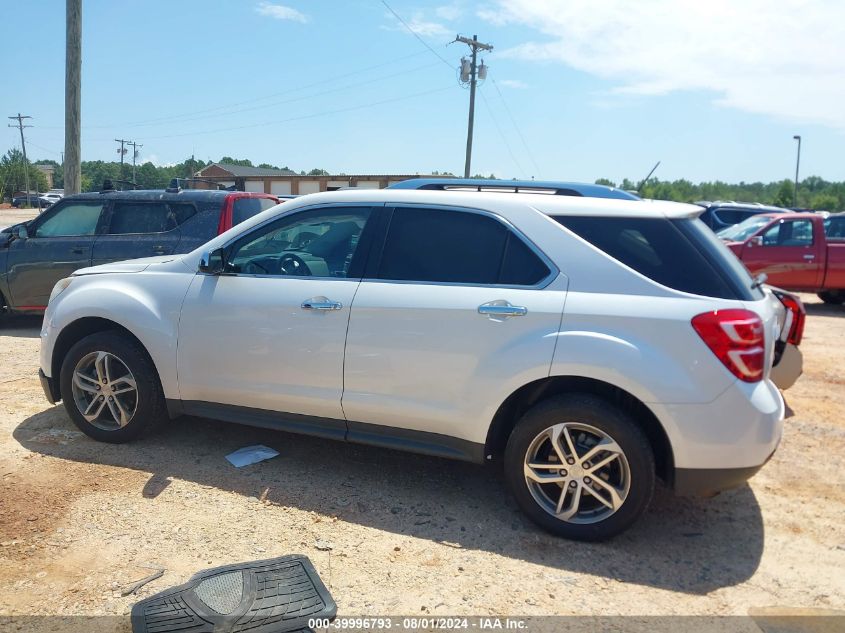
pixel 591 345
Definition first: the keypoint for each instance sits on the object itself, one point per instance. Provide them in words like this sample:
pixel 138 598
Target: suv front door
pixel 458 312
pixel 58 242
pixel 263 342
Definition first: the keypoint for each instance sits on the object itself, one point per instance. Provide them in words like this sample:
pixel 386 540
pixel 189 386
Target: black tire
pixel 150 407
pixel 832 297
pixel 584 409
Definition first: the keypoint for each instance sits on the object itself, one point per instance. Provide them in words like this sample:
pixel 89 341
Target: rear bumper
pixel 705 482
pixel 51 389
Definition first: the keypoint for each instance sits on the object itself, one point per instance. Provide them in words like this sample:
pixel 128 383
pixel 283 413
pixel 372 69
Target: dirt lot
pixel 408 534
pixel 9 216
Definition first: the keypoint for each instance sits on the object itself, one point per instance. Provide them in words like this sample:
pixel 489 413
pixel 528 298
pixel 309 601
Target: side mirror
pixel 212 262
pixel 5 238
pixel 757 240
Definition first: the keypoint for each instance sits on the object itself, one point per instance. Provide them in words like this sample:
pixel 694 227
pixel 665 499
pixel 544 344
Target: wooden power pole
pixel 475 46
pixel 73 98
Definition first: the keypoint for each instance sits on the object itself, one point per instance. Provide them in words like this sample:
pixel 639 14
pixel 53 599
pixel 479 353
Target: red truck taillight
pixel 736 338
pixel 799 315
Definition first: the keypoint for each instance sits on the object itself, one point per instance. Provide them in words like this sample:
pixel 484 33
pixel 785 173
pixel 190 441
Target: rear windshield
pixel 245 208
pixel 680 254
pixel 745 229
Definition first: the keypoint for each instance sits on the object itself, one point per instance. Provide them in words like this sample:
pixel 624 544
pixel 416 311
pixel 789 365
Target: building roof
pixel 244 172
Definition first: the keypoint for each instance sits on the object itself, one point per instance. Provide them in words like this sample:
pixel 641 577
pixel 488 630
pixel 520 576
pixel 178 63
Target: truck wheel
pixel 110 388
pixel 580 467
pixel 832 297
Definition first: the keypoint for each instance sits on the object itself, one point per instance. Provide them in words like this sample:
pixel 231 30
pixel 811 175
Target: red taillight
pixel 736 338
pixel 799 315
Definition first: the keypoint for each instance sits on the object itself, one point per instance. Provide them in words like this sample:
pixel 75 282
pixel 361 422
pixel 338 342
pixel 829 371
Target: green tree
pixel 318 172
pixel 13 176
pixel 605 182
pixel 783 197
pixel 244 162
pixel 825 202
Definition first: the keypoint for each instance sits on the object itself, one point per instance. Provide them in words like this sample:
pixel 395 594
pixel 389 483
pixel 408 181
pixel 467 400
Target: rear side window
pixel 732 216
pixel 834 228
pixel 435 245
pixel 675 253
pixel 245 208
pixel 140 217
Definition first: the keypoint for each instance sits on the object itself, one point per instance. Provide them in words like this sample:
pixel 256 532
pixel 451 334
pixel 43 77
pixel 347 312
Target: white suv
pixel 593 345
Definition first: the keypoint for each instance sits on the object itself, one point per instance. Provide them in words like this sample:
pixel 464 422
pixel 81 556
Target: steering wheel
pixel 290 264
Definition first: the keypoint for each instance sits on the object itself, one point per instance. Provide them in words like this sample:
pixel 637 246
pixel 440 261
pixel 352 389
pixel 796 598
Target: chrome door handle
pixel 321 303
pixel 501 308
pixel 809 256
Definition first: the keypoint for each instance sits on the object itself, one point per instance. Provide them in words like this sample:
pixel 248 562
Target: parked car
pixel 721 215
pixel 95 228
pixel 564 336
pixel 49 198
pixel 797 251
pixel 19 202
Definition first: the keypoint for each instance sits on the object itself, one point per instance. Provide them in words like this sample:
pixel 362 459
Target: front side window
pixel 789 233
pixel 73 219
pixel 141 217
pixel 436 245
pixel 318 243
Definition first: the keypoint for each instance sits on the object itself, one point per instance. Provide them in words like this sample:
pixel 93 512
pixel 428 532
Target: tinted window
pixel 789 233
pixel 745 229
pixel 675 253
pixel 312 243
pixel 834 228
pixel 434 245
pixel 182 211
pixel 73 218
pixel 245 208
pixel 141 217
pixel 732 216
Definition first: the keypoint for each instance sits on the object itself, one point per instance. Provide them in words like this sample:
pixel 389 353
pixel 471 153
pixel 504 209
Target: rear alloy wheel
pixel 580 467
pixel 833 297
pixel 110 388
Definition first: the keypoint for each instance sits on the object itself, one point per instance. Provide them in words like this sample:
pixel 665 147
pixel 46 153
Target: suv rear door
pixel 142 228
pixel 59 242
pixel 455 310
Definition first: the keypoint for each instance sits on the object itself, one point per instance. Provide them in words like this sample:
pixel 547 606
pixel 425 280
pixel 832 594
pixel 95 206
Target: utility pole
pixel 135 147
pixel 122 152
pixel 21 126
pixel 797 137
pixel 471 74
pixel 73 97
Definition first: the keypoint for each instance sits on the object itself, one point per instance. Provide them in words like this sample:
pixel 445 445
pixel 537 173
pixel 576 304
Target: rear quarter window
pixel 680 254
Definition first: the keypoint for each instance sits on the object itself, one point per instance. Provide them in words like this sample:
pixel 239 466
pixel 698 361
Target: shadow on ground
pixel 20 326
pixel 824 309
pixel 688 545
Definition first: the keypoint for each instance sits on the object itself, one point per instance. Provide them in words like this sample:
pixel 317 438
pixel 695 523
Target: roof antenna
pixel 645 180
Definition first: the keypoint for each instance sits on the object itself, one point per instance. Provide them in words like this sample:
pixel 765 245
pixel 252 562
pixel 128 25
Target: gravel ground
pixel 9 216
pixel 400 534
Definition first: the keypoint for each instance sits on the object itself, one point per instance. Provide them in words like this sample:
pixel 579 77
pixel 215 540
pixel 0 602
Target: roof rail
pixel 176 184
pixel 515 186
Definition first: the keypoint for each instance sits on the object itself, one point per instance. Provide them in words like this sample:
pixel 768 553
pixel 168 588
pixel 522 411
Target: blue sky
pixel 576 90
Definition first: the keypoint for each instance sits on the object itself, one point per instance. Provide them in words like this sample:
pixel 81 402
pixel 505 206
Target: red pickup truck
pixel 797 251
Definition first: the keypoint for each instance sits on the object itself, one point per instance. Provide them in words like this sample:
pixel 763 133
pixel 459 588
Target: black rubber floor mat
pixel 266 596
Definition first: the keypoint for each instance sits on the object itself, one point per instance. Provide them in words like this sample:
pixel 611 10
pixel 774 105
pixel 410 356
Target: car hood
pixel 128 266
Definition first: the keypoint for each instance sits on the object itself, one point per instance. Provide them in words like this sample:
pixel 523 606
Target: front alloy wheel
pixel 104 391
pixel 577 473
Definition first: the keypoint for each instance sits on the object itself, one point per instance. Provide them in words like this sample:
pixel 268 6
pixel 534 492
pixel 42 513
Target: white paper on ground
pixel 251 455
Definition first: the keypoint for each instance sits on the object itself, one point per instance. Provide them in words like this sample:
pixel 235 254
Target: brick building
pixel 285 181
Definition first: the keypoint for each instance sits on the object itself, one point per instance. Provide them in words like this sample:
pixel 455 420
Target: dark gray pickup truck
pixel 96 228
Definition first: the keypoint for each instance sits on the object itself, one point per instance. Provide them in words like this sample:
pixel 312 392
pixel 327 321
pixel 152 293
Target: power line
pixel 502 134
pixel 21 127
pixel 516 127
pixel 305 116
pixel 415 34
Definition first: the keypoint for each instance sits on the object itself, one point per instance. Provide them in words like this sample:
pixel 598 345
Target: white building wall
pixel 280 187
pixel 309 186
pixel 256 186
